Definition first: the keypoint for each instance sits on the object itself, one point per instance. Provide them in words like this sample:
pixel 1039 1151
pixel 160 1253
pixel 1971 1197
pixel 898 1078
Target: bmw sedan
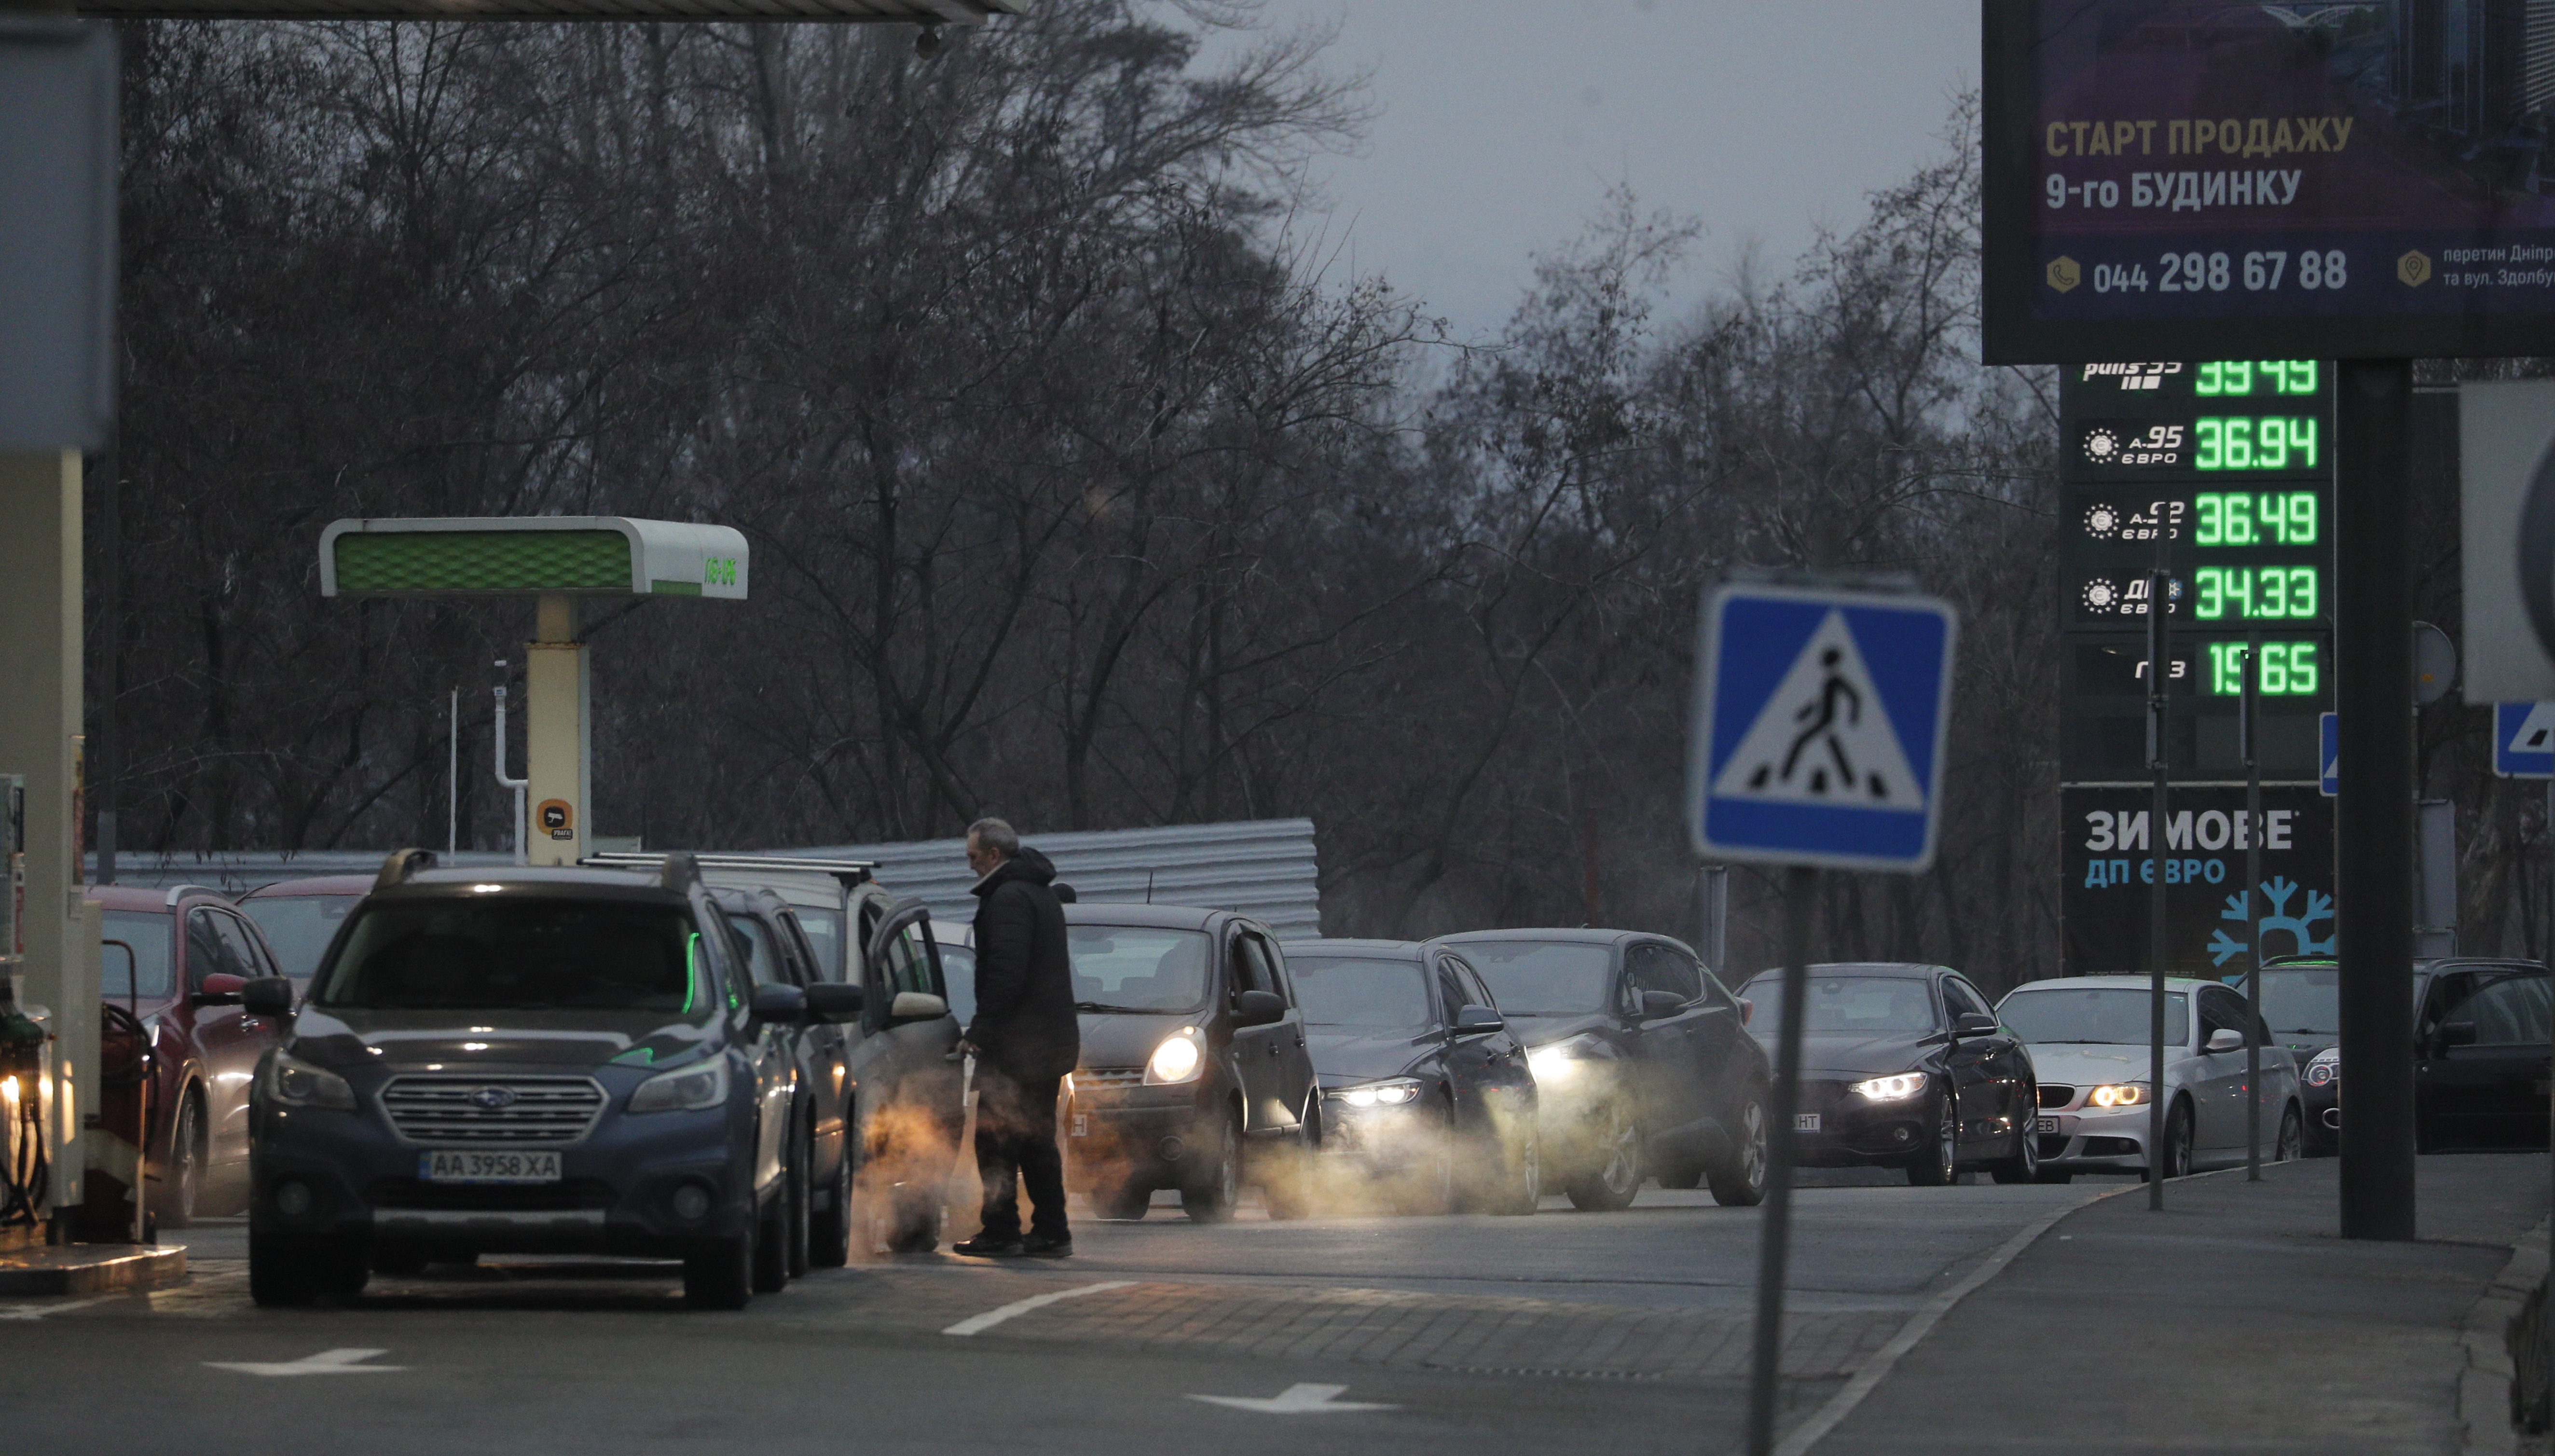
pixel 1904 1066
pixel 2089 1038
pixel 1425 1090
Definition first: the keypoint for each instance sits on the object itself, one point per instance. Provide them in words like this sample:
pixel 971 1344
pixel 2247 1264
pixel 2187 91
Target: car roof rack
pixel 848 871
pixel 402 866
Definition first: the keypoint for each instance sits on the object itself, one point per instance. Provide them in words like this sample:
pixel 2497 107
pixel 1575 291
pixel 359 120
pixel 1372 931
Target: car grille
pixel 1093 1078
pixel 456 1111
pixel 2053 1096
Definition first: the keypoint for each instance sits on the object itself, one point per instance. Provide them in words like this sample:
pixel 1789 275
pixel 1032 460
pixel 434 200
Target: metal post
pixel 2373 651
pixel 557 696
pixel 2160 670
pixel 2246 725
pixel 503 781
pixel 106 747
pixel 1775 1228
pixel 452 779
pixel 2546 1305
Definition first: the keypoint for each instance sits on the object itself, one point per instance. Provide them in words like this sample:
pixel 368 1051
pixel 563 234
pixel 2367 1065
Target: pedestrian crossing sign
pixel 1819 724
pixel 2523 740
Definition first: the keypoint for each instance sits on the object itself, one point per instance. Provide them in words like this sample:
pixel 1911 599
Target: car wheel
pixel 1523 1187
pixel 1617 1179
pixel 1939 1164
pixel 1211 1202
pixel 1289 1187
pixel 829 1228
pixel 1741 1182
pixel 1122 1202
pixel 182 1174
pixel 771 1253
pixel 2293 1130
pixel 721 1276
pixel 2177 1141
pixel 2024 1166
pixel 1429 1188
pixel 287 1271
pixel 795 1198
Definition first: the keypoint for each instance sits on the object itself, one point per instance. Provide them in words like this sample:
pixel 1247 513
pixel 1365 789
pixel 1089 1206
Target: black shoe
pixel 987 1246
pixel 1048 1246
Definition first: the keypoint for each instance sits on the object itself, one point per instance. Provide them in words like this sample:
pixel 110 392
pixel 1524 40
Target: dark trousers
pixel 1015 1144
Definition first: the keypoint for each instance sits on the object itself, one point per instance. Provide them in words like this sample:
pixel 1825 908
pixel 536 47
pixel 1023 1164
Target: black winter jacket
pixel 1026 1024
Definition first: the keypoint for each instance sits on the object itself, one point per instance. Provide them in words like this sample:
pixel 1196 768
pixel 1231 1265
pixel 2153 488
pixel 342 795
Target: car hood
pixel 346 1036
pixel 2071 1063
pixel 1832 1058
pixel 1128 1039
pixel 1343 1055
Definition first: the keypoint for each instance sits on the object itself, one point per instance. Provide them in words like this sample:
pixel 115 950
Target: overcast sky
pixel 1505 121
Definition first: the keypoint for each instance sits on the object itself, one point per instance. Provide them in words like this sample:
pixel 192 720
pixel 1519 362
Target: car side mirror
pixel 777 1004
pixel 2226 1039
pixel 1660 1004
pixel 835 1002
pixel 1974 1024
pixel 2457 1033
pixel 1259 1009
pixel 267 996
pixel 917 1005
pixel 1479 1021
pixel 1746 1010
pixel 221 987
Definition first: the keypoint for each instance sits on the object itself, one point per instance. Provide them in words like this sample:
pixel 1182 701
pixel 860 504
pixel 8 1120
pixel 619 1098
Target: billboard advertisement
pixel 2181 179
pixel 2110 860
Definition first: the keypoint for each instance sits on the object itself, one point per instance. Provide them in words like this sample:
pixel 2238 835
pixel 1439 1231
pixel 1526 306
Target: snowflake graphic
pixel 2277 892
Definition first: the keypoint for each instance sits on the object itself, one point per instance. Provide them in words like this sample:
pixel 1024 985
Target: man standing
pixel 1025 1036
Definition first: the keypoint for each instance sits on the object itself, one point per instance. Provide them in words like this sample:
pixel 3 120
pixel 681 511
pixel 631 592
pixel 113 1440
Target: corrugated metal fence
pixel 1263 867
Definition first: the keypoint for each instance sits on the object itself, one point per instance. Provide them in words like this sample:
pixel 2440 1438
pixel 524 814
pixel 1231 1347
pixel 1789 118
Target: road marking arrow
pixel 326 1362
pixel 1296 1400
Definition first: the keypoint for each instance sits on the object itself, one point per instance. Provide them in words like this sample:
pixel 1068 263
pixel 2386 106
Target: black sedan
pixel 1905 1066
pixel 1641 1064
pixel 1424 1088
pixel 2479 1047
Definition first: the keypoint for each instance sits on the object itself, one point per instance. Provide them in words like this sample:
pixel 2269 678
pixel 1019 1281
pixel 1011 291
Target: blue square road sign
pixel 2523 740
pixel 2329 754
pixel 1819 723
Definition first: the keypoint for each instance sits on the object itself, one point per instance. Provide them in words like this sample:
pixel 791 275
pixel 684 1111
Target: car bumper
pixel 2093 1140
pixel 1161 1136
pixel 1851 1131
pixel 344 1174
pixel 2322 1110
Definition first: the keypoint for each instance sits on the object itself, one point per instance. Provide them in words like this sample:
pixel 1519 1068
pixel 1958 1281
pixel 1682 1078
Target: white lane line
pixel 1295 1401
pixel 39 1312
pixel 977 1324
pixel 1841 1404
pixel 326 1362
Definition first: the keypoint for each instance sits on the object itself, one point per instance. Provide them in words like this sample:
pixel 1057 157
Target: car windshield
pixel 518 955
pixel 958 969
pixel 1137 968
pixel 758 959
pixel 1848 1006
pixel 1544 978
pixel 1349 991
pixel 299 927
pixel 2098 1015
pixel 2302 999
pixel 150 976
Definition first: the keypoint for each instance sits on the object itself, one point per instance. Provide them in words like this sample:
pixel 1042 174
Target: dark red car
pixel 192 950
pixel 300 916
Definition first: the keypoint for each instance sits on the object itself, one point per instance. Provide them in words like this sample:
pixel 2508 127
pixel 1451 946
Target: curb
pixel 2483 1386
pixel 1810 1432
pixel 91 1268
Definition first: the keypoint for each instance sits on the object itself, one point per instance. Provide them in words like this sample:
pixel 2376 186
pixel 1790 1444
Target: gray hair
pixel 997 835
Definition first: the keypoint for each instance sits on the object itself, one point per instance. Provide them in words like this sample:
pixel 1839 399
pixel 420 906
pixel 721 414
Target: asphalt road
pixel 1564 1332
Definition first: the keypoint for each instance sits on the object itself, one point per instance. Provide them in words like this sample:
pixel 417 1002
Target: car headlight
pixel 1178 1059
pixel 289 1081
pixel 2325 1069
pixel 1567 1058
pixel 2118 1094
pixel 1391 1092
pixel 685 1089
pixel 1898 1087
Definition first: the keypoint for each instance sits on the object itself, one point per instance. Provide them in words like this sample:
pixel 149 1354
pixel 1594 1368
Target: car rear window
pixel 299 928
pixel 518 956
pixel 1352 991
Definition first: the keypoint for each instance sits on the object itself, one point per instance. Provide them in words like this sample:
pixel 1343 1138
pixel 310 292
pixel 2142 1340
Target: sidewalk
pixel 2234 1321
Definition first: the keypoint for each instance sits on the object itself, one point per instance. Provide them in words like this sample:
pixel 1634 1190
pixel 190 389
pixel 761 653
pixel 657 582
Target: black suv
pixel 1194 1072
pixel 545 1059
pixel 1643 1063
pixel 2480 1047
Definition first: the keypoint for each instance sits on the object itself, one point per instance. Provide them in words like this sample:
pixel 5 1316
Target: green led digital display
pixel 2246 518
pixel 2250 443
pixel 2263 593
pixel 2232 377
pixel 2289 669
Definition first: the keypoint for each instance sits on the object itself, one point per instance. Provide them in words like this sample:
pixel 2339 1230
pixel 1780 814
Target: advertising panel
pixel 2111 859
pixel 2333 181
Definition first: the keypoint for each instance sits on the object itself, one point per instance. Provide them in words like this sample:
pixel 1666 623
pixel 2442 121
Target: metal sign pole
pixel 2158 665
pixel 2247 726
pixel 1774 1230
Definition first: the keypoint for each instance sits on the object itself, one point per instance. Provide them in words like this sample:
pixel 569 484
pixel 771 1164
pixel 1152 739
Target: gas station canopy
pixel 531 555
pixel 910 12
